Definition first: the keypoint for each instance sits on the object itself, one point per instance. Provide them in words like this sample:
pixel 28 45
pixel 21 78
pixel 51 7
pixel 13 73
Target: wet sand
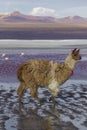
pixel 69 113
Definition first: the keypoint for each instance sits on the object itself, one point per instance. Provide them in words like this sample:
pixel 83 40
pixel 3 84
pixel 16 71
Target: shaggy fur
pixel 42 73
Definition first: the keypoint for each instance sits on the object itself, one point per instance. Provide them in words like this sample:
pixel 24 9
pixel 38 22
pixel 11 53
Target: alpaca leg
pixel 33 92
pixel 21 89
pixel 54 90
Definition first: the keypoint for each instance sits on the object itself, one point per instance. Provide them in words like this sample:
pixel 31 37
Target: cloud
pixel 40 11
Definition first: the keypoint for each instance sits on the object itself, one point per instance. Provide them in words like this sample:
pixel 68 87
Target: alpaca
pixel 42 73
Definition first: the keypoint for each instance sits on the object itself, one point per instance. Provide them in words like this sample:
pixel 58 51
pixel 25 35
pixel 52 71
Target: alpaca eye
pixel 75 54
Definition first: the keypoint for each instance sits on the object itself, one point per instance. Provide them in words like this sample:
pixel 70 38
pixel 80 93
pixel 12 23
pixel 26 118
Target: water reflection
pixel 70 112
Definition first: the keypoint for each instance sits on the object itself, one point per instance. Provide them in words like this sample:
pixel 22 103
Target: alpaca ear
pixel 78 50
pixel 74 50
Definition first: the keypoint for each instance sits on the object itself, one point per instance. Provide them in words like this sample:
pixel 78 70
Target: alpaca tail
pixel 19 73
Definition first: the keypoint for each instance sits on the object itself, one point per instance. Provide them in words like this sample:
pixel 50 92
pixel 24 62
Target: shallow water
pixel 70 111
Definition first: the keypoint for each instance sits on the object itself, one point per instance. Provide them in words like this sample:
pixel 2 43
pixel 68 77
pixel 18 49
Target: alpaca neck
pixel 70 62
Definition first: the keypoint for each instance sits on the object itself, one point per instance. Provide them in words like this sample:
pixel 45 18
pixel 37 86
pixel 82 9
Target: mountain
pixel 74 20
pixel 17 17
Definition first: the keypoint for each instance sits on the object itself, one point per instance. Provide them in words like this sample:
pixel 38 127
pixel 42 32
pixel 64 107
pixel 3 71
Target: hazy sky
pixel 58 8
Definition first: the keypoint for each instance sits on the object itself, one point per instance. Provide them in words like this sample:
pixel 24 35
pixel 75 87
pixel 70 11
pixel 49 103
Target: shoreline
pixel 68 82
pixel 71 100
pixel 43 33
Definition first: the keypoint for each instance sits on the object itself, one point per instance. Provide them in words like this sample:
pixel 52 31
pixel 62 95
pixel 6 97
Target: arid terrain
pixel 42 32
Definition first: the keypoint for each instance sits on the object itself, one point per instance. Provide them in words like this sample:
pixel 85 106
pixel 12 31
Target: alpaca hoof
pixel 37 99
pixel 53 100
pixel 43 100
pixel 20 102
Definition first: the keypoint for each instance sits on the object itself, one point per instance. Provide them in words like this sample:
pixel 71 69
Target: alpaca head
pixel 75 54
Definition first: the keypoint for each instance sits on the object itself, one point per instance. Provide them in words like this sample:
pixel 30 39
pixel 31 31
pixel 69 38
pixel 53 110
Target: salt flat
pixel 43 43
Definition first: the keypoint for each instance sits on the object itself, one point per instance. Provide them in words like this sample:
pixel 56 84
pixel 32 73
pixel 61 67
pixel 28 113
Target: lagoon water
pixel 70 111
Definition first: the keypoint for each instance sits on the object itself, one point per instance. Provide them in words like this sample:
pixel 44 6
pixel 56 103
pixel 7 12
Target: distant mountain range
pixel 17 17
pixel 21 26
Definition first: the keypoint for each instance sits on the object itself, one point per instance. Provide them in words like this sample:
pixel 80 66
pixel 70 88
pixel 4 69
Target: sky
pixel 54 8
